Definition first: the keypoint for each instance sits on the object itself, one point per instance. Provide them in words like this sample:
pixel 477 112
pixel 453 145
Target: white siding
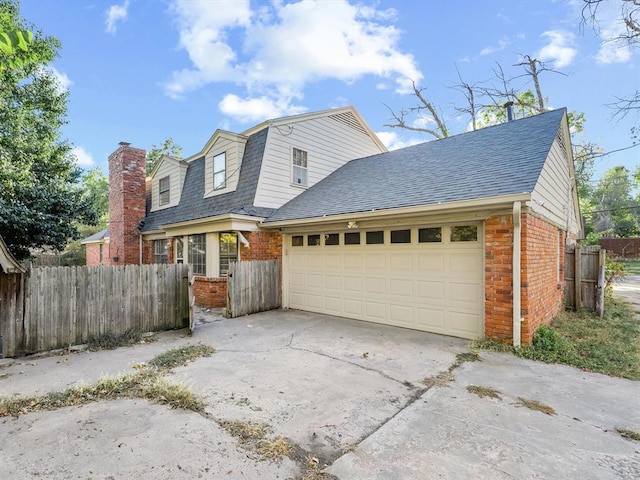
pixel 553 196
pixel 233 147
pixel 330 143
pixel 176 171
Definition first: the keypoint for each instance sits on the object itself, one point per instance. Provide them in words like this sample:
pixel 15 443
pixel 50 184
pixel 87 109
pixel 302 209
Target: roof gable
pixel 501 160
pixel 8 263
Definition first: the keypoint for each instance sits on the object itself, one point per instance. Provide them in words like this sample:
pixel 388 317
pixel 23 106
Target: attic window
pixel 299 170
pixel 164 190
pixel 220 171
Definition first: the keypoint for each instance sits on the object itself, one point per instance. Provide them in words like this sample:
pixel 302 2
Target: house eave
pixel 8 263
pixel 450 207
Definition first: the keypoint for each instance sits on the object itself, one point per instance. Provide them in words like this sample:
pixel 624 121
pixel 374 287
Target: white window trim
pixel 167 191
pixel 293 167
pixel 224 171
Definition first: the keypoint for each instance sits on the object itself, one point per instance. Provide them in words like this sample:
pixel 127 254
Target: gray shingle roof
pixel 499 160
pixel 96 237
pixel 194 206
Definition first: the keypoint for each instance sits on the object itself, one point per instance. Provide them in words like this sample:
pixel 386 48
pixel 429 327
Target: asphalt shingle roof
pixel 101 235
pixel 194 206
pixel 499 160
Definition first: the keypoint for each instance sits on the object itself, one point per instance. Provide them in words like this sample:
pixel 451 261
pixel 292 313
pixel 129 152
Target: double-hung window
pixel 160 251
pixel 198 253
pixel 299 167
pixel 164 190
pixel 228 251
pixel 220 171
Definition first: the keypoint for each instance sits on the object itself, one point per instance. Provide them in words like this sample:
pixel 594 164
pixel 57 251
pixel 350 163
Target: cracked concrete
pixel 346 392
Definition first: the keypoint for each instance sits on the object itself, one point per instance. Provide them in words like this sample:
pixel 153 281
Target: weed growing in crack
pixel 252 436
pixel 146 383
pixel 535 405
pixel 484 391
pixel 440 380
pixel 628 433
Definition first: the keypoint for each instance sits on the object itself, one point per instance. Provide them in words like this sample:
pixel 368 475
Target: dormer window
pixel 164 190
pixel 299 167
pixel 220 171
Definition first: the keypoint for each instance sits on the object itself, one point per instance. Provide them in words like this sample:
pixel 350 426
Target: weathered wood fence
pixel 253 286
pixel 56 307
pixel 584 278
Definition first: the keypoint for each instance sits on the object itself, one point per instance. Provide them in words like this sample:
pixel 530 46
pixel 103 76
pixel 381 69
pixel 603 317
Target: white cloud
pixel 392 141
pixel 560 50
pixel 275 51
pixel 502 44
pixel 116 13
pixel 611 27
pixel 83 158
pixel 257 109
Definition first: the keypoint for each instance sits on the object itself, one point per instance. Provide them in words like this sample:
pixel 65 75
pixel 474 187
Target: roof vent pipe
pixel 509 107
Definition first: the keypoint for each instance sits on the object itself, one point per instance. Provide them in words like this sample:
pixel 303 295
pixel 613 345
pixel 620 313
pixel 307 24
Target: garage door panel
pixel 436 287
pixel 376 285
pixel 465 292
pixel 401 315
pixel 352 261
pixel 430 290
pixel 376 262
pixel 352 284
pixel 431 262
pixel 333 261
pixel 333 305
pixel 401 261
pixel 429 318
pixel 401 287
pixel 332 282
pixel 375 310
pixel 352 307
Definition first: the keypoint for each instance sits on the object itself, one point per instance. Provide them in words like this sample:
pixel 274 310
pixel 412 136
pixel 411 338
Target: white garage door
pixel 425 278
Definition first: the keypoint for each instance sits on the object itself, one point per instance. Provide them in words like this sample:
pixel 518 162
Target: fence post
pixel 602 259
pixel 577 277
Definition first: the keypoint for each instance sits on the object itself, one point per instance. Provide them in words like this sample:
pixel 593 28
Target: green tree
pixel 40 199
pixel 169 147
pixel 95 191
pixel 617 210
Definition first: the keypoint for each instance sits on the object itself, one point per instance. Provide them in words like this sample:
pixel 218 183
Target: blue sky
pixel 142 71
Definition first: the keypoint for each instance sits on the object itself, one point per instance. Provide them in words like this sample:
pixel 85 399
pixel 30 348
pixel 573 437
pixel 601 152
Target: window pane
pixel 374 238
pixel 299 158
pixel 352 238
pixel 219 171
pixel 401 236
pixel 299 169
pixel 228 251
pixel 164 191
pixel 464 233
pixel 313 240
pixel 297 240
pixel 332 239
pixel 430 235
pixel 160 251
pixel 198 253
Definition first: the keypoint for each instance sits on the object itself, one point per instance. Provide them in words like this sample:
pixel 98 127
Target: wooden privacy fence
pixel 584 278
pixel 253 286
pixel 56 307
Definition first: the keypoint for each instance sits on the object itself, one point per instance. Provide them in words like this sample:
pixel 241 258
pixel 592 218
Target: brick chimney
pixel 126 203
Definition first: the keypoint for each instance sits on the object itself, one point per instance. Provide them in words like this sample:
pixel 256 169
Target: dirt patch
pixel 535 405
pixel 483 392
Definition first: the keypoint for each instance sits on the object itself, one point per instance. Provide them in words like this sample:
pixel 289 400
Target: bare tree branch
pixel 400 117
pixel 469 92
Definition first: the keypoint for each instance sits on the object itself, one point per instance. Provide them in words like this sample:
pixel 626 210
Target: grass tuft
pixel 253 437
pixel 628 433
pixel 440 380
pixel 146 383
pixel 179 357
pixel 484 391
pixel 463 358
pixel 110 341
pixel 609 345
pixel 536 405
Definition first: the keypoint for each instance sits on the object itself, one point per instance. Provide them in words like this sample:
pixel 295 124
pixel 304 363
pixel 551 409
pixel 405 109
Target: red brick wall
pixel 93 254
pixel 498 304
pixel 541 292
pixel 210 292
pixel 126 203
pixel 147 251
pixel 542 274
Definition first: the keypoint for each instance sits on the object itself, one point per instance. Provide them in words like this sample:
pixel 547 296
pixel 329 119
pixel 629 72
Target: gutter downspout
pixel 517 242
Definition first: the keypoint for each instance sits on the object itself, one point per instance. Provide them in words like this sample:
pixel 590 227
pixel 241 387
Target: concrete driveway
pixel 350 394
